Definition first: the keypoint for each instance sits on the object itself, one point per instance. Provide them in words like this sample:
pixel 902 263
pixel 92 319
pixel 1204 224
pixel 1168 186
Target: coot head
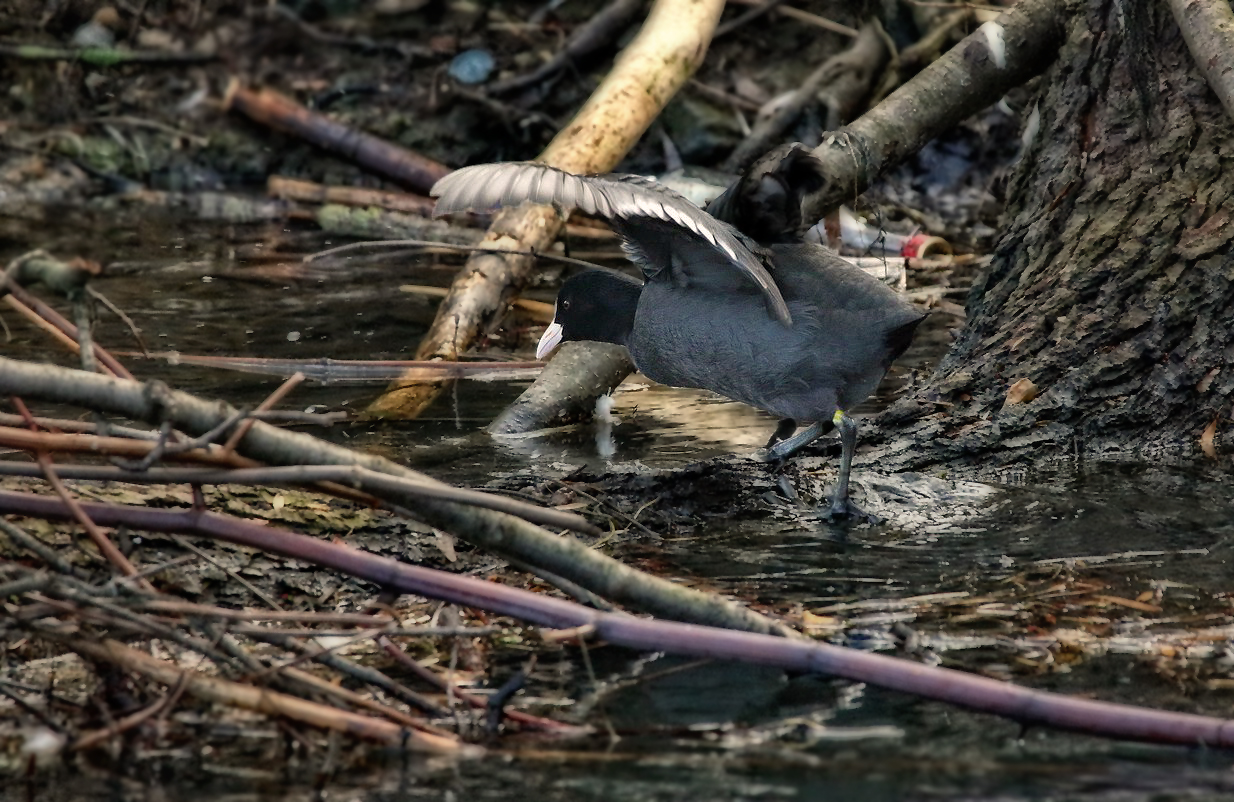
pixel 596 305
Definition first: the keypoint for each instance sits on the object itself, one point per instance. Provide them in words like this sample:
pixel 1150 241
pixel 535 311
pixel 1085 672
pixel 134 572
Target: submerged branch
pixel 567 388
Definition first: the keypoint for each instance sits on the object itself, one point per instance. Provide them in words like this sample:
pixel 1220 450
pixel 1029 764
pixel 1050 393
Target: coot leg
pixel 786 448
pixel 841 506
pixel 784 430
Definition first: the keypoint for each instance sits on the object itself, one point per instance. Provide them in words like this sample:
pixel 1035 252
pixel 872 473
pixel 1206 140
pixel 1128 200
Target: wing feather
pixel 622 199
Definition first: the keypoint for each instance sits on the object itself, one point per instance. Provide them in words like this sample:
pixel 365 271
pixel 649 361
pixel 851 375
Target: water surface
pixel 722 731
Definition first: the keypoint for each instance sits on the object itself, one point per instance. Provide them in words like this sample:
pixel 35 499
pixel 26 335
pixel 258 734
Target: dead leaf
pixel 1206 440
pixel 154 39
pixel 813 624
pixel 1020 392
pixel 445 544
pixel 1207 381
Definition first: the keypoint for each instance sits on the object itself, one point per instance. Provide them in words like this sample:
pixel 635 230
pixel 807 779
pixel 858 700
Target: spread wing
pixel 765 202
pixel 659 228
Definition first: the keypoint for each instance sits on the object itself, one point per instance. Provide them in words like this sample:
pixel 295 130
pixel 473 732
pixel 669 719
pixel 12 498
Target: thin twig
pixel 261 699
pixel 807 17
pixel 474 700
pixel 33 710
pixel 354 477
pixel 100 538
pixel 30 543
pixel 256 591
pixel 278 395
pixel 749 16
pixel 92 739
pixel 364 674
pixel 118 312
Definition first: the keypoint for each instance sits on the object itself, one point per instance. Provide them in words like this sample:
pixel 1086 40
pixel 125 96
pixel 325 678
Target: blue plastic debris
pixel 472 66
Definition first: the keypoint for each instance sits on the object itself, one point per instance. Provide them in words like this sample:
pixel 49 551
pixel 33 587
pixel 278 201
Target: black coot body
pixel 847 329
pixel 790 328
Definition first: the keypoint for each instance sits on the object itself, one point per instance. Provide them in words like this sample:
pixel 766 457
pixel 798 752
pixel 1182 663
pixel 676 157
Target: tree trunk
pixel 1112 288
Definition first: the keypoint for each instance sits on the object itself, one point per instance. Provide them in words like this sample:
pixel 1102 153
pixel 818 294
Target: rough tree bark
pixel 1112 287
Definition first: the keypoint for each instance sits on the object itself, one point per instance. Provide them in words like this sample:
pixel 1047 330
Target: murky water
pixel 1159 534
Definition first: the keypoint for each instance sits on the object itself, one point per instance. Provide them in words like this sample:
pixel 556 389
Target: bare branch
pixel 1208 28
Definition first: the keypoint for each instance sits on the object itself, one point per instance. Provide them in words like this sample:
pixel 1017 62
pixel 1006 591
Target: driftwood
pixel 284 114
pixel 103 56
pixel 570 388
pixel 374 223
pixel 648 73
pixel 297 190
pixel 222 207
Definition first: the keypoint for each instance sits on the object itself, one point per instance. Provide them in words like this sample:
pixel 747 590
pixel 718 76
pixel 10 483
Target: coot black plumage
pixel 790 328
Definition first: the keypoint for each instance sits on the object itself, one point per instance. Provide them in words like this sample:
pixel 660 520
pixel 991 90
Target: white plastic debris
pixel 993 33
pixel 42 745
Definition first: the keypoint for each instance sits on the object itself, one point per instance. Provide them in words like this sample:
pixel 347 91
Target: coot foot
pixel 843 510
